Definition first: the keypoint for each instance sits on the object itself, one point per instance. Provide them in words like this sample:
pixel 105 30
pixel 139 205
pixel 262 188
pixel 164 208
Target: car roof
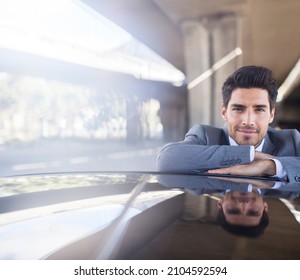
pixel 139 215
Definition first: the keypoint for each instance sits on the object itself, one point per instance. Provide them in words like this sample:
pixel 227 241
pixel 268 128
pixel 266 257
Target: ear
pixel 266 207
pixel 223 112
pixel 272 115
pixel 219 204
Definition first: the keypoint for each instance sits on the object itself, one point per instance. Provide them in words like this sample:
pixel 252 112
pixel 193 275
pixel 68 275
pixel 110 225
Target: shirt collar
pixel 259 148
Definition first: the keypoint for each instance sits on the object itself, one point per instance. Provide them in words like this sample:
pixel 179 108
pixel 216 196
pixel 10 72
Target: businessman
pixel 246 145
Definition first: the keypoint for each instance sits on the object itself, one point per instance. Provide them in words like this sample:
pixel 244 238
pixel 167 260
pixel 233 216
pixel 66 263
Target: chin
pixel 247 142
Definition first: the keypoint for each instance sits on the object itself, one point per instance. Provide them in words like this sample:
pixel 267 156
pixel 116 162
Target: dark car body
pixel 138 216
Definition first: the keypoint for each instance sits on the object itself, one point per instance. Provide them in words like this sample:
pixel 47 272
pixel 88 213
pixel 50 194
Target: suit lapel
pixel 224 136
pixel 269 147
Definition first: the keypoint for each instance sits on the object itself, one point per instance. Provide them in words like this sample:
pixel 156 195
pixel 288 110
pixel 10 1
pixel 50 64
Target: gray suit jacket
pixel 206 147
pixel 209 185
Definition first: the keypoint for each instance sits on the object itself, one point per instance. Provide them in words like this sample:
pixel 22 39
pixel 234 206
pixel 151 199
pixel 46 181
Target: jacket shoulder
pixel 283 133
pixel 207 134
pixel 285 142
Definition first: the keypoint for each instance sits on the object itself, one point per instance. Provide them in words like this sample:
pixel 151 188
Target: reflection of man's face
pixel 243 208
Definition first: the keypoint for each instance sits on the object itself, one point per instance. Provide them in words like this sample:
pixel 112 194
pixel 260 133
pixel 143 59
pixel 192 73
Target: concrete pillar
pixel 206 43
pixel 224 41
pixel 197 61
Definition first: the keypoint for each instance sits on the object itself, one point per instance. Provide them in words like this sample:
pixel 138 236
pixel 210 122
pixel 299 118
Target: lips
pixel 244 198
pixel 244 194
pixel 247 130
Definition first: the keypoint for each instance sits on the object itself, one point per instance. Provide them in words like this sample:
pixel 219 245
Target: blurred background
pixel 101 85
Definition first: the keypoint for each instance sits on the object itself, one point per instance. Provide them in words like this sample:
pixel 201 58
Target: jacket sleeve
pixel 291 164
pixel 196 154
pixel 292 167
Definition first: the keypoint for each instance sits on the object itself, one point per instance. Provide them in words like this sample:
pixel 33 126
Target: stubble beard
pixel 248 139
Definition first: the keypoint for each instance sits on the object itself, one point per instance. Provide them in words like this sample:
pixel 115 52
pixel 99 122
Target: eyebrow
pixel 253 213
pixel 243 106
pixel 236 211
pixel 238 105
pixel 261 106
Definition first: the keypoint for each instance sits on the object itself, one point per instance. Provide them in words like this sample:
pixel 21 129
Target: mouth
pixel 244 198
pixel 244 194
pixel 247 130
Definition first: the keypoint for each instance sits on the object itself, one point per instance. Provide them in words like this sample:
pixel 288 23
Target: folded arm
pixel 198 152
pixel 185 156
pixel 287 167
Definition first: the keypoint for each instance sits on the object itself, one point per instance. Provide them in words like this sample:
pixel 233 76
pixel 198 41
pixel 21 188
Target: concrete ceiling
pixel 270 33
pixel 269 29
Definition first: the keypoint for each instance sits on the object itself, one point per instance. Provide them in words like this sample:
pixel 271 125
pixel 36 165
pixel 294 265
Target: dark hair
pixel 246 231
pixel 251 77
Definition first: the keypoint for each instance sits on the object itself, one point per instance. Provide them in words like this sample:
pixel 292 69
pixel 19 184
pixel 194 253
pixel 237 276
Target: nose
pixel 248 118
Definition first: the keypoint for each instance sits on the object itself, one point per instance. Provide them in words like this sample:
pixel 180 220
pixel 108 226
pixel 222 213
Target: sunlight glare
pixel 71 31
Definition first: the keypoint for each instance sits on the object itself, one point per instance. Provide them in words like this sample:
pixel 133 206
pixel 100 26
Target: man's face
pixel 243 208
pixel 248 115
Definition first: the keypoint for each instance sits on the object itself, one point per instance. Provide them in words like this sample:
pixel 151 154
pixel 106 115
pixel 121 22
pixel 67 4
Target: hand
pixel 260 156
pixel 261 184
pixel 264 167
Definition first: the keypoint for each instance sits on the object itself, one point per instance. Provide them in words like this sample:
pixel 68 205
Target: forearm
pixel 182 156
pixel 262 168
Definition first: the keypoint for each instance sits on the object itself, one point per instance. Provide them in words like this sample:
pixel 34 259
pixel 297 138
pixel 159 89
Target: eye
pixel 260 109
pixel 237 109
